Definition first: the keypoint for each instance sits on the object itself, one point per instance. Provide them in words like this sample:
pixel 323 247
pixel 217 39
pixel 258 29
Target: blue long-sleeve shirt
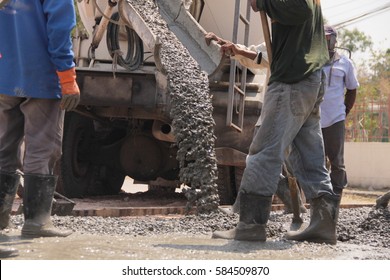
pixel 35 42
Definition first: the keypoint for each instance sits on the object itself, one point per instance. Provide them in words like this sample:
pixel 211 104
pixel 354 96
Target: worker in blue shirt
pixel 37 84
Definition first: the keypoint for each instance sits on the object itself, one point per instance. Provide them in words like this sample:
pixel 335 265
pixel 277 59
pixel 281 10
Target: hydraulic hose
pixel 135 48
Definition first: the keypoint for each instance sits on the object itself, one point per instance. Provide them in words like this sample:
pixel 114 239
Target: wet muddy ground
pixel 183 246
pixel 363 233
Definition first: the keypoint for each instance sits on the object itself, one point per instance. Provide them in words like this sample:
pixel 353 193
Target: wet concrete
pixel 179 246
pixel 363 233
pixel 190 109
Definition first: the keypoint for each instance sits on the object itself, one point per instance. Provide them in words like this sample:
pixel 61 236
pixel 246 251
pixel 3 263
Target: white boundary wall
pixel 368 164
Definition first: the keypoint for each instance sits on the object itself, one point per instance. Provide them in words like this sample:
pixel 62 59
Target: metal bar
pixel 233 88
pixel 233 64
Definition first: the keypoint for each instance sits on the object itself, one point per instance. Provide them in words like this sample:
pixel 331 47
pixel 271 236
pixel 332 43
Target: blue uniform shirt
pixel 35 42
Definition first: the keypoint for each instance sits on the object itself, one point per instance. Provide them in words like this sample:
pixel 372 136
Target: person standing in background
pixel 37 83
pixel 340 94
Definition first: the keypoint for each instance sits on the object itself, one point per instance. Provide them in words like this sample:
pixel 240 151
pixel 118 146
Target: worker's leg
pixel 11 135
pixel 307 155
pixel 334 137
pixel 308 160
pixel 291 117
pixel 285 109
pixel 44 122
pixel 43 139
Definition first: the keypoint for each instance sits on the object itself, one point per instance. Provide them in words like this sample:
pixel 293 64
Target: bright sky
pixel 376 25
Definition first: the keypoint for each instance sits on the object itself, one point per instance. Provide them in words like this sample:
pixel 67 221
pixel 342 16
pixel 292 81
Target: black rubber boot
pixel 8 253
pixel 324 212
pixel 254 214
pixel 9 183
pixel 37 203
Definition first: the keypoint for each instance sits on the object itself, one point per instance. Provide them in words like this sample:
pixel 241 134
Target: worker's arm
pixel 351 84
pixel 61 19
pixel 235 50
pixel 349 99
pixel 210 36
pixel 253 57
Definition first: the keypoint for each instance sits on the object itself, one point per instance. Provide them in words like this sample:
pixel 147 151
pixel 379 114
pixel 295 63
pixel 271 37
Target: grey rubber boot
pixel 9 183
pixel 8 252
pixel 324 212
pixel 254 214
pixel 37 203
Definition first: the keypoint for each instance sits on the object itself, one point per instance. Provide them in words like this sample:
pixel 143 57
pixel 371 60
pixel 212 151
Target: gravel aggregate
pixel 191 112
pixel 361 226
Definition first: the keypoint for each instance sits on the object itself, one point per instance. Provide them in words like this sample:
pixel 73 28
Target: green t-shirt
pixel 298 38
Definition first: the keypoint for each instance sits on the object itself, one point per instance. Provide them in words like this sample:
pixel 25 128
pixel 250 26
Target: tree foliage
pixel 370 118
pixel 354 40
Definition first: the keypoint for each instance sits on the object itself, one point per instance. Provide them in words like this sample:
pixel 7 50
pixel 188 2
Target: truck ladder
pixel 237 89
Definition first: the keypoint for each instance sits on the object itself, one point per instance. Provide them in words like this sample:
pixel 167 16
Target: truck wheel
pixel 105 181
pixel 229 179
pixel 79 175
pixel 76 171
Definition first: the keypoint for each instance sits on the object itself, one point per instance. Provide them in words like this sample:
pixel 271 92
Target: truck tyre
pixel 81 177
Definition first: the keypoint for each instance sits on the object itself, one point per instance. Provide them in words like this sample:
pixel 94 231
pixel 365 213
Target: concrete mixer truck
pixel 123 125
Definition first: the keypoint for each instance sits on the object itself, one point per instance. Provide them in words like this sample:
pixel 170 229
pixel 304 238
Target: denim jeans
pixel 290 118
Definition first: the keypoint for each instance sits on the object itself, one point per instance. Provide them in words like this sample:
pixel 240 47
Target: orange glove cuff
pixel 70 88
pixel 67 76
pixel 68 81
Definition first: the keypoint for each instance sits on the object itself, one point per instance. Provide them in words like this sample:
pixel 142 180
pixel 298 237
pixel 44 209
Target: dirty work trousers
pixel 290 117
pixel 334 149
pixel 37 122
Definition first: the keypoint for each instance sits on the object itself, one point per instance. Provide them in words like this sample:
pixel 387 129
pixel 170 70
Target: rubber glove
pixel 69 88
